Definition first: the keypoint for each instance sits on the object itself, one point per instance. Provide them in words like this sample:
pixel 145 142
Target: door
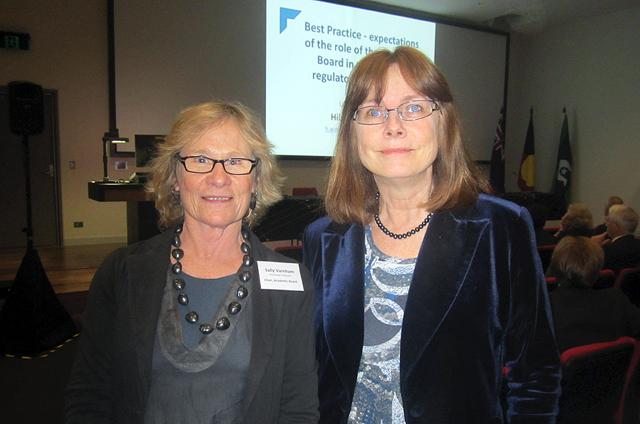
pixel 45 186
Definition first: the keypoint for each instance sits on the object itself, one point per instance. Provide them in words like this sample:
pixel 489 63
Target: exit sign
pixel 14 40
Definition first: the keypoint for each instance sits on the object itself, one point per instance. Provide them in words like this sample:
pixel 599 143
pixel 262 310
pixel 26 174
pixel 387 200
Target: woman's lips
pixel 395 150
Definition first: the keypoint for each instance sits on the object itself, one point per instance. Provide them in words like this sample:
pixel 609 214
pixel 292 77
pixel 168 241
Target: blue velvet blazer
pixel 477 337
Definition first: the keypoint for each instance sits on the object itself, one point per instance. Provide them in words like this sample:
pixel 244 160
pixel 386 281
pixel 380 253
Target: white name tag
pixel 279 276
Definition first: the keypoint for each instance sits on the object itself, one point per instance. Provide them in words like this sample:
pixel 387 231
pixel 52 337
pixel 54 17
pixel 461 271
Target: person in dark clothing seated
pixel 539 215
pixel 602 228
pixel 581 314
pixel 621 248
pixel 577 221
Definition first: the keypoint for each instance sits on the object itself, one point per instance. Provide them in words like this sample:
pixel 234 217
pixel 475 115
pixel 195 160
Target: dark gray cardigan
pixel 111 375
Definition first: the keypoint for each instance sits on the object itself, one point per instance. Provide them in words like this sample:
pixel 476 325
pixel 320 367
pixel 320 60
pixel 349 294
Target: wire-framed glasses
pixel 409 111
pixel 201 164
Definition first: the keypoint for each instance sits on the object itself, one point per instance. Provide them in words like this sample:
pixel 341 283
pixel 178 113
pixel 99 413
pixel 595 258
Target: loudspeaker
pixel 26 108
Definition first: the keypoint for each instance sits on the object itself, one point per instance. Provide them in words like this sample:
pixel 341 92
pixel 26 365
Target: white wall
pixel 69 53
pixel 592 67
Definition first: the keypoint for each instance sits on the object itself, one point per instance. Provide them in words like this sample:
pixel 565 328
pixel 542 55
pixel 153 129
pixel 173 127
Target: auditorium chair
pixel 293 252
pixel 629 409
pixel 605 280
pixel 552 283
pixel 628 280
pixel 593 381
pixel 545 251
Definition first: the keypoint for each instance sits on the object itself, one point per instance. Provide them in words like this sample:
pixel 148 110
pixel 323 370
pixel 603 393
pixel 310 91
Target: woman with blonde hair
pixel 182 327
pixel 430 298
pixel 581 314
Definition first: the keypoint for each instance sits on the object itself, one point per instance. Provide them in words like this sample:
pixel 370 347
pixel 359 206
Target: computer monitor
pixel 145 150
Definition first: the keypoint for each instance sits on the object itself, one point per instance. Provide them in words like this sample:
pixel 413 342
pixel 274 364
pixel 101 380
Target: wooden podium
pixel 142 218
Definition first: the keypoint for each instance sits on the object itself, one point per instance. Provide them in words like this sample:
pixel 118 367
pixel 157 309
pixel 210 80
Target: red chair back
pixel 545 251
pixel 593 381
pixel 629 409
pixel 628 281
pixel 304 191
pixel 552 283
pixel 605 280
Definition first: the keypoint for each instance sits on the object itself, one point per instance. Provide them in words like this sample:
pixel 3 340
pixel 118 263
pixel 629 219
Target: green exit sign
pixel 14 40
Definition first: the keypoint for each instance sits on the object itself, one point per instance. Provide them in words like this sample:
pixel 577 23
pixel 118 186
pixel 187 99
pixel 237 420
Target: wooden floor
pixel 69 269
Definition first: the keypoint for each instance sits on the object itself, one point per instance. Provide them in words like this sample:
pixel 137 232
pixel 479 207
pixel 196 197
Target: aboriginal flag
pixel 527 175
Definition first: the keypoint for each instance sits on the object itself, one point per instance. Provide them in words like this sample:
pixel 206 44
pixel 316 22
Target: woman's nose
pixel 218 175
pixel 394 126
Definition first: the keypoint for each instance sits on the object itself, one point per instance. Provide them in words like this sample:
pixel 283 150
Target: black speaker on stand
pixel 32 319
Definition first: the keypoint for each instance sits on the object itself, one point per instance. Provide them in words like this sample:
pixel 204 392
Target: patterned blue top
pixel 387 280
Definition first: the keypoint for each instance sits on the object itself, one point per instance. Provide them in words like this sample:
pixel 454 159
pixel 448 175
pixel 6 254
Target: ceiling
pixel 522 16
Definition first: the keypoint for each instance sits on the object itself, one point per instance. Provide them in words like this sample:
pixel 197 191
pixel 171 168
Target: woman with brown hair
pixel 430 298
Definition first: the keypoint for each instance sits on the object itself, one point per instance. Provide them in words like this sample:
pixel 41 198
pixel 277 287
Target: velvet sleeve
pixel 532 365
pixel 88 393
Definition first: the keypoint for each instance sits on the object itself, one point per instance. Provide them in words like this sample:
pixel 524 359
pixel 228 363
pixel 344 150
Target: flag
pixel 496 175
pixel 527 175
pixel 564 163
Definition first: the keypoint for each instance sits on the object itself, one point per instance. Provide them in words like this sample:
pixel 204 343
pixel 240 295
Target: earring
pixel 252 201
pixel 175 194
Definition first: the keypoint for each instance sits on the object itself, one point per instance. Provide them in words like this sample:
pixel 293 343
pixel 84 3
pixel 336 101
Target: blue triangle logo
pixel 285 15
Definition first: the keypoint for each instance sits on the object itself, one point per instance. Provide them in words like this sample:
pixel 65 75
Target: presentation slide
pixel 311 48
pixel 289 61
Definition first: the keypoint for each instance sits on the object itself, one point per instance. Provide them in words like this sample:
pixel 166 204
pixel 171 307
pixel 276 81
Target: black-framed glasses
pixel 201 164
pixel 409 111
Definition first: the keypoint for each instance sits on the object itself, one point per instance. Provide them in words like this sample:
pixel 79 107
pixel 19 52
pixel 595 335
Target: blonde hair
pixel 350 194
pixel 578 216
pixel 624 216
pixel 190 124
pixel 576 261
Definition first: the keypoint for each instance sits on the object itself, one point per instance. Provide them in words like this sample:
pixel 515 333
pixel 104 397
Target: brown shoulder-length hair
pixel 350 194
pixel 576 262
pixel 190 124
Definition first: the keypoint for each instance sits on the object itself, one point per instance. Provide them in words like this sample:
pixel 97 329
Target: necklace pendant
pixel 206 328
pixel 222 324
pixel 191 317
pixel 234 308
pixel 244 276
pixel 242 292
pixel 179 284
pixel 183 299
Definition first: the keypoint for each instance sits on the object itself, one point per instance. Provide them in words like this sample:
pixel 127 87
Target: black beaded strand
pixel 244 275
pixel 397 236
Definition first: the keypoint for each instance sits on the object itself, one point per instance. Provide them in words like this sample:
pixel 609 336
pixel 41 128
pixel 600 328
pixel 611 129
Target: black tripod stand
pixel 33 319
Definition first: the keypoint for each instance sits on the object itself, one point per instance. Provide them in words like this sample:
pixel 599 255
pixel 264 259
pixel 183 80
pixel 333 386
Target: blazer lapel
pixel 343 298
pixel 267 311
pixel 441 269
pixel 147 273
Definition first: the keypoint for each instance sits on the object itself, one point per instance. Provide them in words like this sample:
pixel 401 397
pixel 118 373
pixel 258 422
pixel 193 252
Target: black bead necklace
pixel 397 236
pixel 244 274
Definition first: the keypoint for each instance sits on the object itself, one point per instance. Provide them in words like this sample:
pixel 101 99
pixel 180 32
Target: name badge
pixel 279 276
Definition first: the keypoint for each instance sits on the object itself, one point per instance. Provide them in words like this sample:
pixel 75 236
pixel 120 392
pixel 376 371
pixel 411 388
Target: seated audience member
pixel 623 248
pixel 581 314
pixel 539 215
pixel 602 228
pixel 577 221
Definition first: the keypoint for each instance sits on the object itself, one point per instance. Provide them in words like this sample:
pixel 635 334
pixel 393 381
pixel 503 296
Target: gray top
pixel 197 378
